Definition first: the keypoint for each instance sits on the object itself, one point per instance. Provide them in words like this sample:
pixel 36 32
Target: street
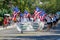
pixel 14 33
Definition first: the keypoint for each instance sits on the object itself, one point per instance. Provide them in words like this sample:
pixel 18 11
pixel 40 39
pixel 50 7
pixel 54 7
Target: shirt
pixel 54 18
pixel 48 19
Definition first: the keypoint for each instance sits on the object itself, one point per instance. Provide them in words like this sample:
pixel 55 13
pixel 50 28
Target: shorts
pixel 49 23
pixel 57 20
pixel 54 21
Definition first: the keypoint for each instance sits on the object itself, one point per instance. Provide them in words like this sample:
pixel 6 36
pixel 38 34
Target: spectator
pixel 5 22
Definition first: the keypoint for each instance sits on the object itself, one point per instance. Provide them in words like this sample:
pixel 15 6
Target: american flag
pixel 42 16
pixel 39 13
pixel 36 13
pixel 26 13
pixel 15 12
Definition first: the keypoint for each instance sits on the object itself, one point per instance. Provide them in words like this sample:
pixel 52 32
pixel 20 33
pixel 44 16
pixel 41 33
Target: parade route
pixel 29 20
pixel 11 32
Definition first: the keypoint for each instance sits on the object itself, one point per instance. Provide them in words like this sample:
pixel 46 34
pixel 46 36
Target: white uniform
pixel 41 25
pixel 48 19
pixel 32 19
pixel 54 19
pixel 25 20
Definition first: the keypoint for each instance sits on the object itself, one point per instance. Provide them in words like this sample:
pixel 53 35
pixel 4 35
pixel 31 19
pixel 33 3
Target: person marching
pixel 54 20
pixel 5 22
pixel 36 13
pixel 21 17
pixel 25 16
pixel 49 22
pixel 42 23
pixel 16 11
pixel 57 18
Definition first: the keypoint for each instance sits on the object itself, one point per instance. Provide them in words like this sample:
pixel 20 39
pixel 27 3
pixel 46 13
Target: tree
pixel 51 6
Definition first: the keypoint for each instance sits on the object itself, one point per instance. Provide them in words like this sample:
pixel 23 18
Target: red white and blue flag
pixel 42 15
pixel 39 13
pixel 26 13
pixel 15 12
pixel 36 13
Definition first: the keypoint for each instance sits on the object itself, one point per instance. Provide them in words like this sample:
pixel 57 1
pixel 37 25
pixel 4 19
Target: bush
pixel 1 20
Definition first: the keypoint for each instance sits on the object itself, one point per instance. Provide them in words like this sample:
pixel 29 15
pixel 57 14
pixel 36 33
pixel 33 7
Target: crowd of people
pixel 39 16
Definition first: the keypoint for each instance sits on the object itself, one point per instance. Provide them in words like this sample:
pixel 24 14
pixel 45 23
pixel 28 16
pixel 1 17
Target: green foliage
pixel 1 18
pixel 1 21
pixel 51 6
